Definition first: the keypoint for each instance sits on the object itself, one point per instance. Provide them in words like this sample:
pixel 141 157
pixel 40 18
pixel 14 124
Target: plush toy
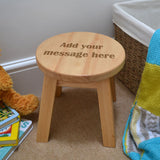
pixel 24 104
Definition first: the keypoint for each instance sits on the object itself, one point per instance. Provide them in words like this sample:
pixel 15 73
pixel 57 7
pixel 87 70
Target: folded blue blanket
pixel 141 140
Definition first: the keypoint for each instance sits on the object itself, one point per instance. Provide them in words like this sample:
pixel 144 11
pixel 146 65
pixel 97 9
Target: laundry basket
pixel 135 22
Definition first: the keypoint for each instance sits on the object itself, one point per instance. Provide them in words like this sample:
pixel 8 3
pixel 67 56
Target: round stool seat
pixel 80 57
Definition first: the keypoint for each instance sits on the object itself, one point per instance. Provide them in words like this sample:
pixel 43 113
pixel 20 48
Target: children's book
pixel 9 135
pixel 25 128
pixel 8 116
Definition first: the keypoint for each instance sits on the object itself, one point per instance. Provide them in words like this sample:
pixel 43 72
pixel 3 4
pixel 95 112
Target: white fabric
pixel 138 18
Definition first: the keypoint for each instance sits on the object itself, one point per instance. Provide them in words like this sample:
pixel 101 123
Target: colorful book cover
pixel 25 128
pixel 8 116
pixel 9 135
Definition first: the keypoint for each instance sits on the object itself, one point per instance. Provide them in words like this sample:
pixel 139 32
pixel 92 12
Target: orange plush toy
pixel 25 104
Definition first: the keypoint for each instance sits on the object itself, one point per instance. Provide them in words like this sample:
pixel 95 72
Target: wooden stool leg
pixel 106 113
pixel 113 89
pixel 46 108
pixel 58 91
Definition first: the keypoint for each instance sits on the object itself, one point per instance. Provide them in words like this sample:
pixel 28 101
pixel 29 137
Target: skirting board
pixel 26 76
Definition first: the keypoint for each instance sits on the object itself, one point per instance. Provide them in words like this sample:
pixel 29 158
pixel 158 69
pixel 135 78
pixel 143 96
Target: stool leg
pixel 113 89
pixel 106 113
pixel 58 91
pixel 46 108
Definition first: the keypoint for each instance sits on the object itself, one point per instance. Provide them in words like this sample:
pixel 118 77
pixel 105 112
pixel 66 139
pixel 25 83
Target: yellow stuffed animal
pixel 24 104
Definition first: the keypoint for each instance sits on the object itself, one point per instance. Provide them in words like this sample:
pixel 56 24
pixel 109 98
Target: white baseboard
pixel 20 65
pixel 26 76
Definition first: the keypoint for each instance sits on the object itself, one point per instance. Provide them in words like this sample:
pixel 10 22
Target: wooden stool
pixel 79 59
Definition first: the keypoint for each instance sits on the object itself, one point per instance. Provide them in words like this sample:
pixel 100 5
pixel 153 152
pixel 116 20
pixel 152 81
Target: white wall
pixel 24 24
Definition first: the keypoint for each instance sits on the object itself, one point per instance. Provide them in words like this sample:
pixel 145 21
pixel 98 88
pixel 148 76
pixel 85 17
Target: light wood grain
pixel 101 57
pixel 106 113
pixel 79 59
pixel 79 85
pixel 113 89
pixel 46 108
